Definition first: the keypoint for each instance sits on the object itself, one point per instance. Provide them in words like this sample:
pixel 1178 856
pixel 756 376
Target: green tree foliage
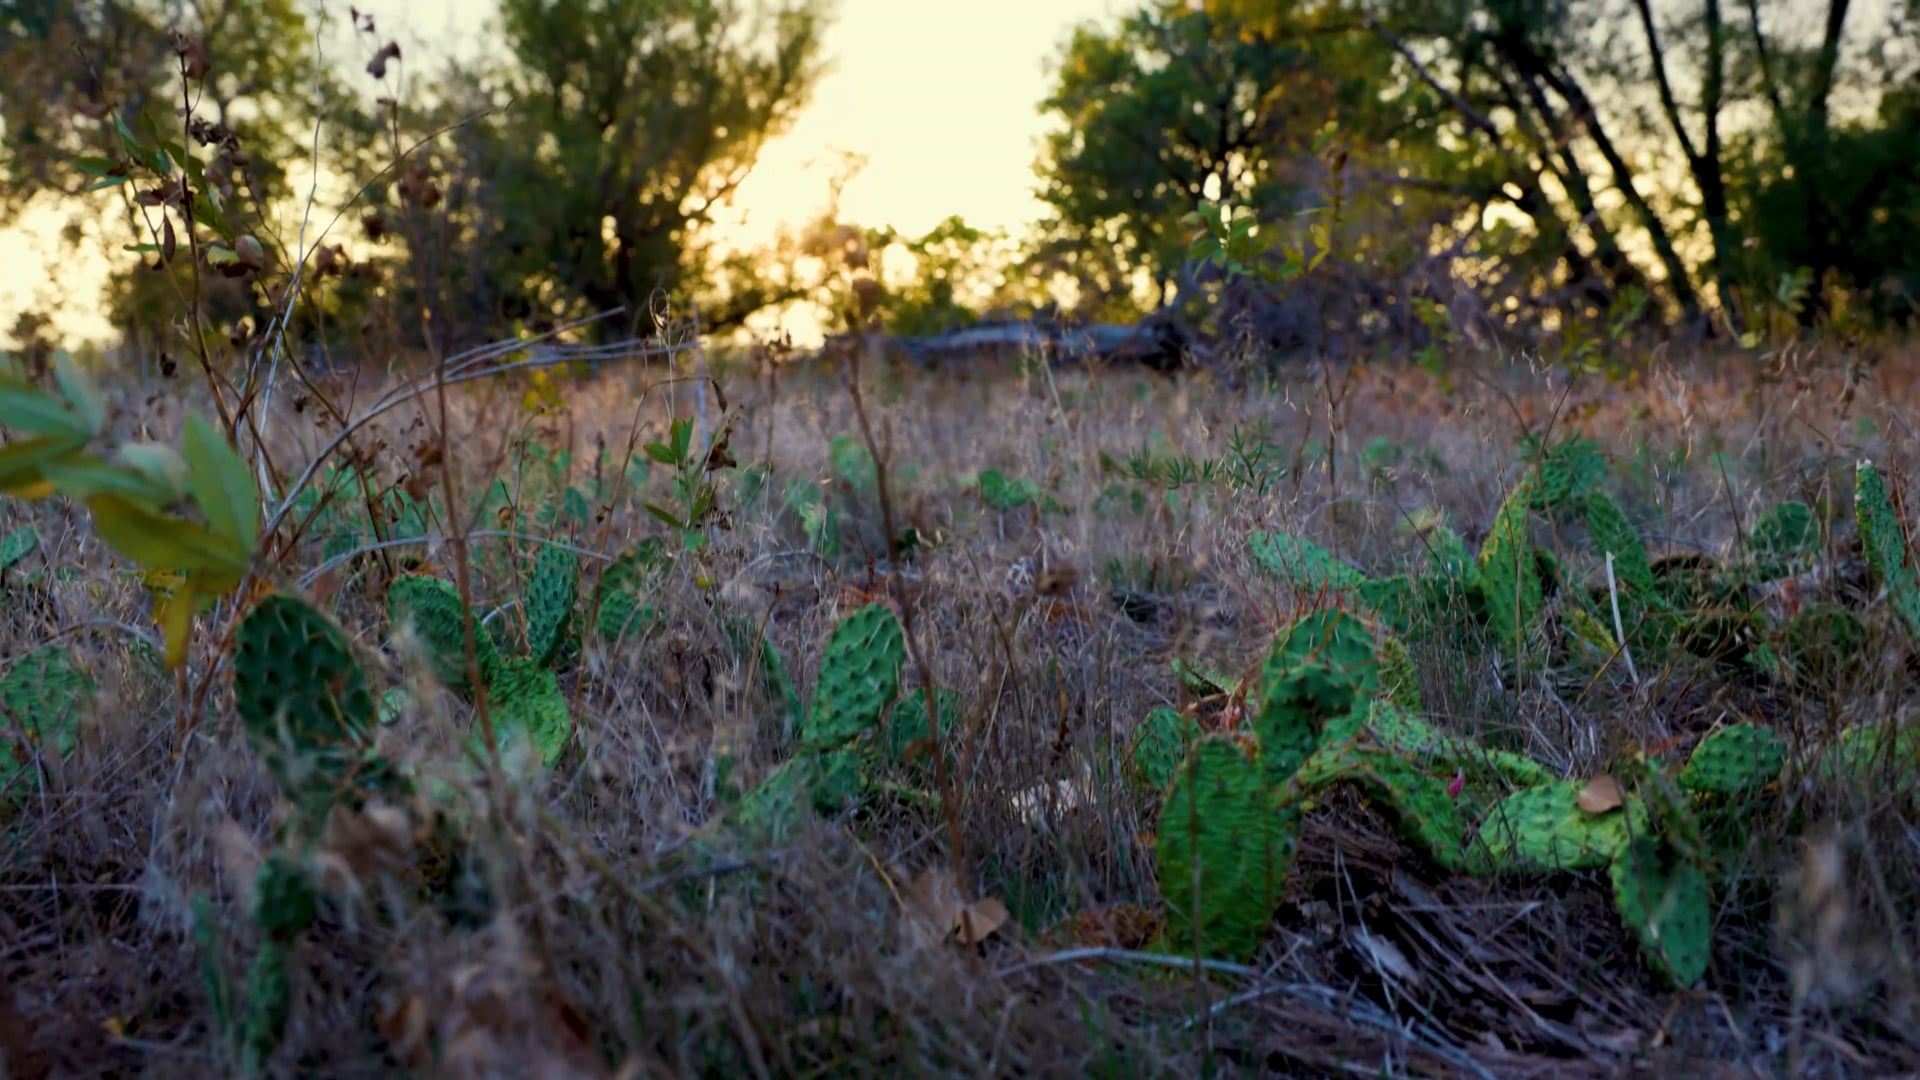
pixel 632 121
pixel 1516 151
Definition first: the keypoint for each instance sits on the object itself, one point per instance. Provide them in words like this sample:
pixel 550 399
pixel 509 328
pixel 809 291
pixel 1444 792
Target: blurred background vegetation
pixel 1579 169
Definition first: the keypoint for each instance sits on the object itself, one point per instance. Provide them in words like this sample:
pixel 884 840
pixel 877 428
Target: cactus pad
pixel 1735 759
pixel 1509 577
pixel 284 901
pixel 1823 643
pixel 1785 540
pixel 17 545
pixel 749 644
pixel 1886 546
pixel 301 697
pixel 1301 563
pixel 910 739
pixel 1224 849
pixel 549 601
pixel 1320 667
pixel 1543 829
pixel 1161 744
pixel 1611 533
pixel 859 677
pixel 433 609
pixel 1662 899
pixel 527 703
pixel 43 695
pixel 1416 802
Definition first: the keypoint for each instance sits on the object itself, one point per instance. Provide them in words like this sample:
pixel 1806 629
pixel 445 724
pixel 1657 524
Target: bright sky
pixel 938 96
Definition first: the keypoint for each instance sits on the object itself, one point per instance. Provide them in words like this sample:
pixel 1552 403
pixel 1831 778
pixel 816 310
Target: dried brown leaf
pixel 979 920
pixel 1601 795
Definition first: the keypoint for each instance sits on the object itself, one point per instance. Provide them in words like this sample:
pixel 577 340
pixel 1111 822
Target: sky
pixel 938 96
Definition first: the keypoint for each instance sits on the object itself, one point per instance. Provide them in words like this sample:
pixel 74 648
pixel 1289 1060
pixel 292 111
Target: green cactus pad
pixel 772 810
pixel 1399 679
pixel 1416 802
pixel 1611 533
pixel 1785 540
pixel 526 702
pixel 1886 546
pixel 269 998
pixel 1823 644
pixel 1301 563
pixel 284 900
pixel 1321 665
pixel 1224 849
pixel 1199 681
pixel 750 645
pixel 549 601
pixel 432 608
pixel 1566 473
pixel 1735 759
pixel 1543 829
pixel 1662 899
pixel 1161 744
pixel 17 545
pixel 859 678
pixel 910 739
pixel 1509 576
pixel 1876 750
pixel 302 698
pixel 44 695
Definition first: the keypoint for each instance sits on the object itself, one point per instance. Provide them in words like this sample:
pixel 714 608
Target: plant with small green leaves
pixel 694 499
pixel 135 492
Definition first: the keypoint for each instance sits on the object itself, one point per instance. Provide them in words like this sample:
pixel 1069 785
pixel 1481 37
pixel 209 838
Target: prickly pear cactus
pixel 1823 644
pixel 526 703
pixel 43 697
pixel 17 545
pixel 1662 899
pixel 302 699
pixel 1320 667
pixel 1399 679
pixel 1886 545
pixel 432 608
pixel 1886 750
pixel 859 677
pixel 1565 473
pixel 1735 759
pixel 751 646
pixel 269 998
pixel 910 738
pixel 1392 600
pixel 1543 829
pixel 1785 540
pixel 284 900
pixel 1224 849
pixel 1509 577
pixel 1161 744
pixel 549 601
pixel 1611 533
pixel 618 608
pixel 1301 563
pixel 1416 802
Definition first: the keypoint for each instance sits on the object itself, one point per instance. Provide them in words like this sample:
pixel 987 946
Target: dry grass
pixel 625 933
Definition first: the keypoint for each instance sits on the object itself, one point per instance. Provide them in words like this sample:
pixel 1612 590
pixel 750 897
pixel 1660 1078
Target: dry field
pixel 998 914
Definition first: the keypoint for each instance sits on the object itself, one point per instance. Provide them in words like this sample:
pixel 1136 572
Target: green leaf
pixel 162 465
pixel 81 476
pixel 660 453
pixel 28 408
pixel 96 166
pixel 106 182
pixel 21 462
pixel 665 516
pixel 79 392
pixel 159 542
pixel 222 485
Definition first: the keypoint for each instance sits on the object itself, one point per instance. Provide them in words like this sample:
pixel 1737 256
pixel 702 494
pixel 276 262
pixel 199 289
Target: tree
pixel 630 122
